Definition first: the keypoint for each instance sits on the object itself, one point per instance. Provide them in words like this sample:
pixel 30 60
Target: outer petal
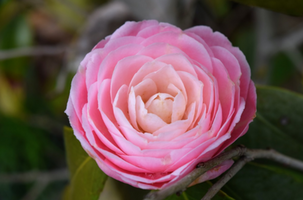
pixel 132 28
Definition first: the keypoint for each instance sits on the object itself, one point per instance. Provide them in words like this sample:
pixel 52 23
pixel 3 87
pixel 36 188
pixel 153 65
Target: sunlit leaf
pixel 86 180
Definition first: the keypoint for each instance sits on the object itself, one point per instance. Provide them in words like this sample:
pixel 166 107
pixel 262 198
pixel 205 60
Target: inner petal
pixel 165 77
pixel 145 89
pixel 149 122
pixel 179 106
pixel 161 104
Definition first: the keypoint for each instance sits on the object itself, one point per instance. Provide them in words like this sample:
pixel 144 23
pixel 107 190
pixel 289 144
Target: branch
pixel 250 155
pixel 181 185
pixel 225 178
pixel 41 180
pixel 32 51
pixel 246 156
pixel 271 154
pixel 56 175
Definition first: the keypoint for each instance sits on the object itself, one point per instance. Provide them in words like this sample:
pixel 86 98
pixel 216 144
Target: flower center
pixel 161 104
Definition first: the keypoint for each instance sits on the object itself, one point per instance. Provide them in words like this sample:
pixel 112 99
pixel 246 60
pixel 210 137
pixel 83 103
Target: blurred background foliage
pixel 41 43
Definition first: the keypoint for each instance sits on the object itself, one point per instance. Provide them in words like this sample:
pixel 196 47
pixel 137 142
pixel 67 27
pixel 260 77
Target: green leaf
pixel 258 182
pixel 290 7
pixel 198 191
pixel 278 125
pixel 87 179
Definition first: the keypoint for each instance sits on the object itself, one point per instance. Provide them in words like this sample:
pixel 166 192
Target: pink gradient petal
pixel 176 128
pixel 124 176
pixel 91 64
pixel 120 107
pixel 78 96
pixel 179 106
pixel 218 39
pixel 147 68
pixel 197 146
pixel 131 65
pixel 194 89
pixel 110 61
pixel 199 39
pixel 89 131
pixel 226 88
pixel 245 70
pixel 102 43
pixel 132 28
pixel 93 59
pixel 100 134
pixel 214 172
pixel 145 143
pixel 166 76
pixel 211 38
pixel 116 43
pixel 179 62
pixel 155 164
pixel 202 150
pixel 159 49
pixel 217 123
pixel 145 89
pixel 158 28
pixel 246 117
pixel 193 48
pixel 132 108
pixel 161 104
pixel 79 131
pixel 208 89
pixel 229 61
pixel 104 102
pixel 118 161
pixel 147 121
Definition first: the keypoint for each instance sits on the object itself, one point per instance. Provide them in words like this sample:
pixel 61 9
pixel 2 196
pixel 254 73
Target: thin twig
pixel 215 188
pixel 275 156
pixel 247 155
pixel 181 185
pixel 31 51
pixel 251 154
pixel 41 180
pixel 36 189
pixel 56 175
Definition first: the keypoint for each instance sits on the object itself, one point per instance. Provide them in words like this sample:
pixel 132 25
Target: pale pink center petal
pixel 147 121
pixel 179 106
pixel 161 104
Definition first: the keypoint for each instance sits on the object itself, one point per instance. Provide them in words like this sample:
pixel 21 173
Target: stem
pixel 246 156
pixel 225 178
pixel 182 184
pixel 271 154
pixel 32 51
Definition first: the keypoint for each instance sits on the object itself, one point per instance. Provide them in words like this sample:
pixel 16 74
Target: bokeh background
pixel 42 43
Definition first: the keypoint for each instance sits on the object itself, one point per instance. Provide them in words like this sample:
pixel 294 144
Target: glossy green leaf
pixel 290 7
pixel 87 180
pixel 198 191
pixel 278 125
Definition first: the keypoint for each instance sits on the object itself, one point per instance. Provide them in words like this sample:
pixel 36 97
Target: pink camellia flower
pixel 151 101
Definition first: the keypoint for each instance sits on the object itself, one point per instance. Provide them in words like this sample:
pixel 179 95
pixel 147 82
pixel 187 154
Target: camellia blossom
pixel 151 101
